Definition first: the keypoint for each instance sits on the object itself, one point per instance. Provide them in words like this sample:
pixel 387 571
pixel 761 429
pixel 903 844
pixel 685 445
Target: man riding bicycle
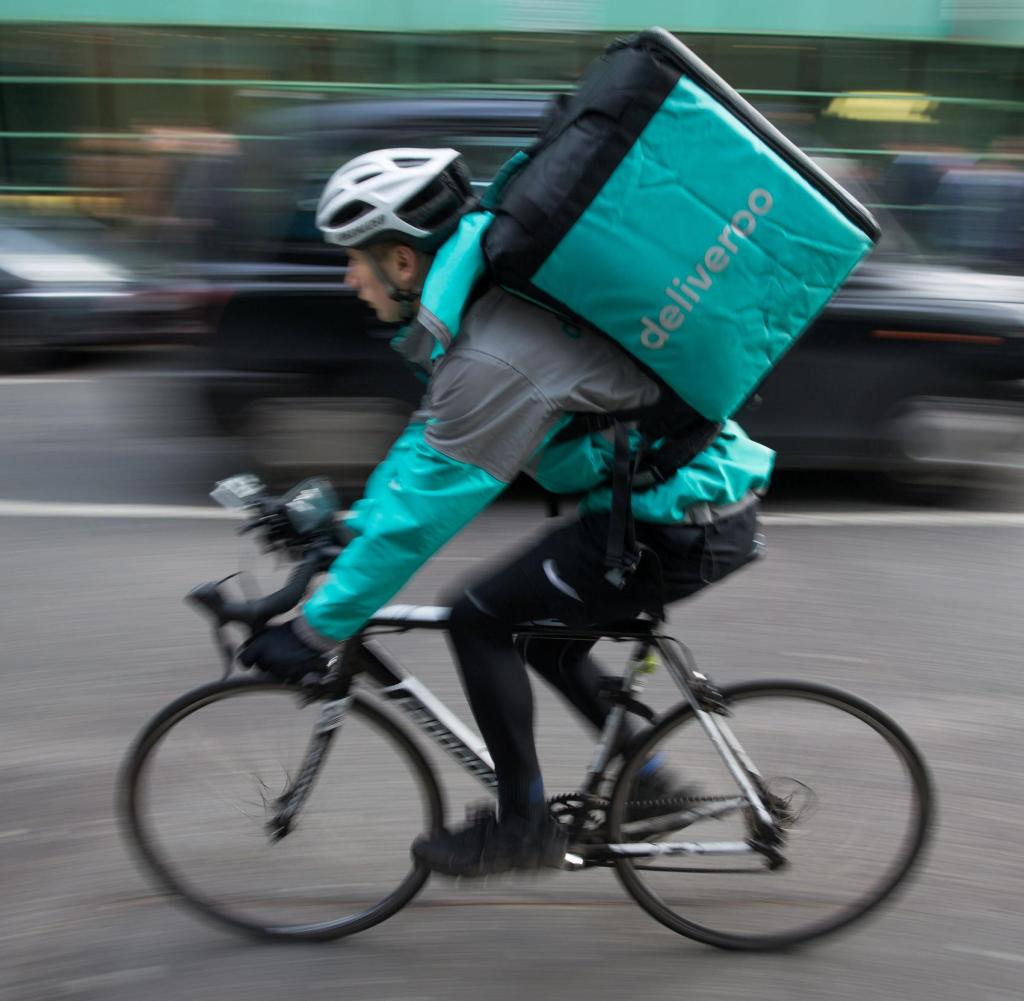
pixel 504 397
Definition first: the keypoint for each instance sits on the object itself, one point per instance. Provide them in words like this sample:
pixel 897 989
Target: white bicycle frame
pixel 429 714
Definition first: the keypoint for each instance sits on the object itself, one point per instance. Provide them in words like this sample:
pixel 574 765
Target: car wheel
pixel 941 447
pixel 923 489
pixel 24 357
pixel 344 438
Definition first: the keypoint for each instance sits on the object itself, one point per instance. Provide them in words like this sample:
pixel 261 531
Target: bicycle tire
pixel 131 810
pixel 921 816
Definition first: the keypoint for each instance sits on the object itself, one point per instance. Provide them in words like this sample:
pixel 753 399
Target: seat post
pixel 609 738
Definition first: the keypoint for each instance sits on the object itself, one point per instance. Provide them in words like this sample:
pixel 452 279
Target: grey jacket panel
pixel 579 370
pixel 513 370
pixel 485 413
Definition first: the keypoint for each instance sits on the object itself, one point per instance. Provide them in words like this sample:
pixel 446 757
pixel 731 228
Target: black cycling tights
pixel 562 577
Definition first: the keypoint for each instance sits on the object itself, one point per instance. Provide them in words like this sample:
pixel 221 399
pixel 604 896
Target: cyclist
pixel 497 401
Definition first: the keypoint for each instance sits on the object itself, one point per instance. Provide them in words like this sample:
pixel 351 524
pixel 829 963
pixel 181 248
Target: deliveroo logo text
pixel 685 293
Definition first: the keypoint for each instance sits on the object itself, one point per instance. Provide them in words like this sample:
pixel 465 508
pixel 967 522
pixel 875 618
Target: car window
pixel 275 184
pixel 895 243
pixel 485 155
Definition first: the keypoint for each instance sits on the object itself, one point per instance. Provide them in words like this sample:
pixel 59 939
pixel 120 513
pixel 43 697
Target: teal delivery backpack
pixel 660 208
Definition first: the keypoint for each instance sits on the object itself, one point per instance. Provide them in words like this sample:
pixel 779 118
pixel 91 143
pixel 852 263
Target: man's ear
pixel 406 262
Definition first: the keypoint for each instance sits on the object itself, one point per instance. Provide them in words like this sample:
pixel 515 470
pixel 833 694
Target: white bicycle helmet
pixel 412 196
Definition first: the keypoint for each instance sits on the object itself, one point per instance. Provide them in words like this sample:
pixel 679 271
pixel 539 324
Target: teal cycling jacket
pixel 498 393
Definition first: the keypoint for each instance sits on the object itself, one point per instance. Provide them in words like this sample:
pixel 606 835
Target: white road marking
pixel 58 509
pixel 896 519
pixel 9 380
pixel 1011 957
pixel 20 832
pixel 803 519
pixel 169 374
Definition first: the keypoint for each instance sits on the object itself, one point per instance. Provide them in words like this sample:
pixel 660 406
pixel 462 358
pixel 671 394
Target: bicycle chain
pixel 602 802
pixel 597 806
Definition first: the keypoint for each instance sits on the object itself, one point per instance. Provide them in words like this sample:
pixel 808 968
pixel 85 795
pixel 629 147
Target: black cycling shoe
pixel 486 846
pixel 659 793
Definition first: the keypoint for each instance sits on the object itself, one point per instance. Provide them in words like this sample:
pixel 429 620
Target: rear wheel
pixel 200 784
pixel 849 790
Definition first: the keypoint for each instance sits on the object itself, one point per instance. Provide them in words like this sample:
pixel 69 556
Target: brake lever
pixel 224 648
pixel 262 521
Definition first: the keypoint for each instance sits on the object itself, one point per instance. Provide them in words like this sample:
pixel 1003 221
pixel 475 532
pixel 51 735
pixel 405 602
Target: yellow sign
pixel 91 204
pixel 883 106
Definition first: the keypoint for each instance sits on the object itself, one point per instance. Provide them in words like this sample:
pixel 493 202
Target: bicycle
pixel 301 759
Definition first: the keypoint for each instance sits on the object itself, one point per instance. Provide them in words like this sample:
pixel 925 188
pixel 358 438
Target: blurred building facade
pixel 103 106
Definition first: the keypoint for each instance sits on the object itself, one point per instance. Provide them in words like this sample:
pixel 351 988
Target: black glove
pixel 278 651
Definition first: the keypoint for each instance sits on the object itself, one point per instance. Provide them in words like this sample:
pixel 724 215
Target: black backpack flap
pixel 586 138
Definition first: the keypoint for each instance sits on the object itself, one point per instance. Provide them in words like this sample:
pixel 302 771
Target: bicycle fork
pixel 292 800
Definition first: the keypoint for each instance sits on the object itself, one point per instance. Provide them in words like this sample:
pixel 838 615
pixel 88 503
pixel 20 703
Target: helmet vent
pixel 348 213
pixel 414 196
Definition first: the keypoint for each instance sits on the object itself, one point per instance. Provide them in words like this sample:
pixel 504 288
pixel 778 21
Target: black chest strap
pixel 680 434
pixel 622 554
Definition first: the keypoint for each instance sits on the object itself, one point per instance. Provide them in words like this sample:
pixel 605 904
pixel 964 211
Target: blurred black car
pixel 913 369
pixel 60 290
pixel 297 368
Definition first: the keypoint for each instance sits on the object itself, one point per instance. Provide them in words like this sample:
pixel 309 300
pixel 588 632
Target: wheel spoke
pixel 850 800
pixel 199 820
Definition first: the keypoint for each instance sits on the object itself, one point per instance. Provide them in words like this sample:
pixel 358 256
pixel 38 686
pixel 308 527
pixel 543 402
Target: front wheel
pixel 203 779
pixel 849 792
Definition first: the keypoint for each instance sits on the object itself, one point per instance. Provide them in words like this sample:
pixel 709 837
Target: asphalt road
pixel 916 611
